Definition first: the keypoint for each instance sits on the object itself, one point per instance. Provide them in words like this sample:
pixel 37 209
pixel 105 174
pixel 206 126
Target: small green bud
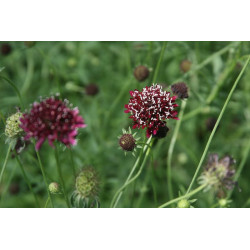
pixel 224 202
pixel 183 204
pixel 54 188
pixel 12 128
pixel 71 62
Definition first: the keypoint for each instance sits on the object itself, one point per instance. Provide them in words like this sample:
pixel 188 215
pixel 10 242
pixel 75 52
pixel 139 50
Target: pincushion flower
pixel 150 108
pixel 52 119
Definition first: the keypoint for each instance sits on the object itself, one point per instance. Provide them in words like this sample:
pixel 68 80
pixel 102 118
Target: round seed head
pixel 180 89
pixel 92 89
pixel 127 142
pixel 141 73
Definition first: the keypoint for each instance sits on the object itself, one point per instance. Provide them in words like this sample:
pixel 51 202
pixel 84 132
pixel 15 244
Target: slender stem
pixel 159 62
pixel 2 117
pixel 27 180
pixel 186 196
pixel 171 149
pixel 15 88
pixel 5 163
pixel 216 124
pixel 30 71
pixel 44 177
pixel 46 203
pixel 129 181
pixel 119 193
pixel 72 161
pixel 61 176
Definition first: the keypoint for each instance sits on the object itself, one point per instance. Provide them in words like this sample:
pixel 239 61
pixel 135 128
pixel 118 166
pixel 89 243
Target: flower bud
pixel 183 204
pixel 54 188
pixel 141 73
pixel 185 66
pixel 12 128
pixel 180 89
pixel 161 133
pixel 6 49
pixel 92 89
pixel 127 142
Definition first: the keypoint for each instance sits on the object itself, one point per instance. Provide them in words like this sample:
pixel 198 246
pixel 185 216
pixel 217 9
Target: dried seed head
pixel 141 73
pixel 54 188
pixel 162 132
pixel 12 128
pixel 185 66
pixel 218 174
pixel 87 183
pixel 92 89
pixel 6 49
pixel 127 142
pixel 180 89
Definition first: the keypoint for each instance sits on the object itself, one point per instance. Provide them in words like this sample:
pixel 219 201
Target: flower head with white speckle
pixel 151 107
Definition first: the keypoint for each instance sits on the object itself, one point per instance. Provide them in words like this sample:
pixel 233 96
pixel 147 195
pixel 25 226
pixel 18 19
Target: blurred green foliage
pixel 46 68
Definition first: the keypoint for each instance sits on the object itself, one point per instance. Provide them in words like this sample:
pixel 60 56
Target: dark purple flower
pixel 150 108
pixel 52 119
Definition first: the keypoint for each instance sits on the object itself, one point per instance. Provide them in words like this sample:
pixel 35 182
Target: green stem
pixel 27 180
pixel 2 117
pixel 159 62
pixel 119 193
pixel 216 124
pixel 186 196
pixel 59 170
pixel 15 88
pixel 30 71
pixel 46 203
pixel 44 177
pixel 171 149
pixel 72 161
pixel 5 163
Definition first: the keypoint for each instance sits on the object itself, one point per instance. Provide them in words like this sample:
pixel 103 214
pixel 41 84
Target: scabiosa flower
pixel 180 89
pixel 54 188
pixel 141 73
pixel 162 132
pixel 87 189
pixel 52 119
pixel 150 108
pixel 218 174
pixel 128 141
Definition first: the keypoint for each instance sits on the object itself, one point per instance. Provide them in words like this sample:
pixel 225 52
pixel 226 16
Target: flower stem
pixel 59 170
pixel 186 196
pixel 72 161
pixel 46 203
pixel 5 163
pixel 119 193
pixel 44 177
pixel 159 62
pixel 27 180
pixel 216 124
pixel 171 149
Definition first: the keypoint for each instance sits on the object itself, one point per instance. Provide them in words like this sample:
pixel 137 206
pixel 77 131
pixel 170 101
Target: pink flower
pixel 150 108
pixel 52 119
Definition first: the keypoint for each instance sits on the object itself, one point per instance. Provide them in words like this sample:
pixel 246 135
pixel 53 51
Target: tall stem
pixel 72 161
pixel 186 196
pixel 44 177
pixel 119 193
pixel 216 124
pixel 171 149
pixel 27 180
pixel 59 170
pixel 159 62
pixel 5 163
